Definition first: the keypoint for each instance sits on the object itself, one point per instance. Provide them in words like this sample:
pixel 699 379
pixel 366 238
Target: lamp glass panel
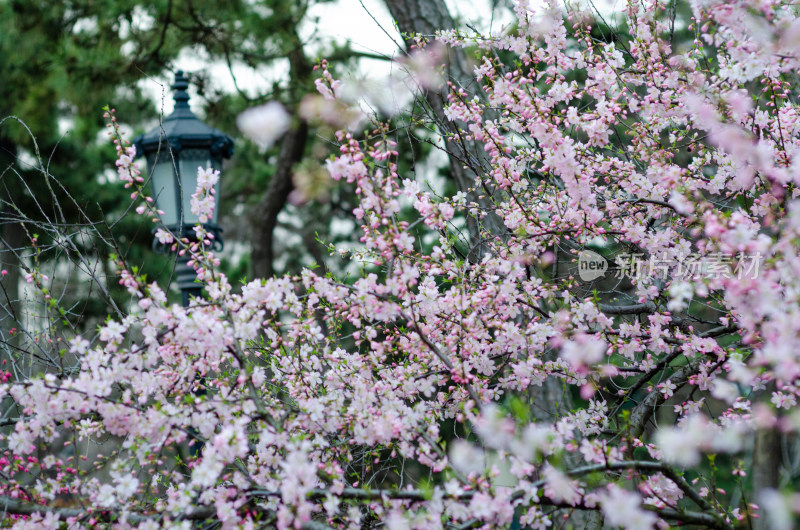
pixel 190 160
pixel 162 183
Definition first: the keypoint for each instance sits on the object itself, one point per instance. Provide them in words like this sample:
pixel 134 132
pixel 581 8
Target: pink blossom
pixel 264 124
pixel 624 508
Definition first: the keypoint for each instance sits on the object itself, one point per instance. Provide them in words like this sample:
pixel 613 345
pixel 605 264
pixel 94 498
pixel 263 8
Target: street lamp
pixel 174 151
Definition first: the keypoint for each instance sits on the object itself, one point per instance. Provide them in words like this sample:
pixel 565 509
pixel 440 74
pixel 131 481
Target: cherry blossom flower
pixel 624 508
pixel 264 124
pixel 459 344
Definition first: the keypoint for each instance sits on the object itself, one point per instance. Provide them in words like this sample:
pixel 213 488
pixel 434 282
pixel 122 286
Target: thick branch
pixel 634 309
pixel 197 513
pixel 18 507
pixel 642 412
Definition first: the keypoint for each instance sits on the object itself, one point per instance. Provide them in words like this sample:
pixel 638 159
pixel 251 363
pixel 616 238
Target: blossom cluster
pixel 449 387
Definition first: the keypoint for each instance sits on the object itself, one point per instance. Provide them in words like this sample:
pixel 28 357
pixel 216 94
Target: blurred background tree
pixel 65 60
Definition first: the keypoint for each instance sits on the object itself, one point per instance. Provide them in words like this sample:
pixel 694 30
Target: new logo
pixel 591 265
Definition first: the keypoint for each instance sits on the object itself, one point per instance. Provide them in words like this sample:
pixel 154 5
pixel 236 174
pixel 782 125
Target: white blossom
pixel 264 124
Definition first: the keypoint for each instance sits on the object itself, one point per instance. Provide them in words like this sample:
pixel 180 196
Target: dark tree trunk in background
pixel 466 158
pixel 466 162
pixel 766 466
pixel 266 214
pixel 292 147
pixel 13 238
pixel 767 457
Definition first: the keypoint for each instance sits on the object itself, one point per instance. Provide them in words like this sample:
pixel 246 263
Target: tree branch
pixel 634 309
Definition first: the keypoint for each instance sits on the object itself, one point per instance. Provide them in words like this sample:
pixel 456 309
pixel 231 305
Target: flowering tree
pixel 645 266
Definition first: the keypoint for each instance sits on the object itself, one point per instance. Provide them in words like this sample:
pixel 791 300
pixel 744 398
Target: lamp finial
pixel 179 86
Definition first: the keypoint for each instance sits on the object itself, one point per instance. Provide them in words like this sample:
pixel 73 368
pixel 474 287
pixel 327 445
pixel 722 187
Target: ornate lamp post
pixel 174 151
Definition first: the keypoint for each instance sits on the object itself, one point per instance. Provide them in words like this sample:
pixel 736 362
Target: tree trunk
pixel 766 465
pixel 766 462
pixel 293 145
pixel 467 159
pixel 265 217
pixel 13 237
